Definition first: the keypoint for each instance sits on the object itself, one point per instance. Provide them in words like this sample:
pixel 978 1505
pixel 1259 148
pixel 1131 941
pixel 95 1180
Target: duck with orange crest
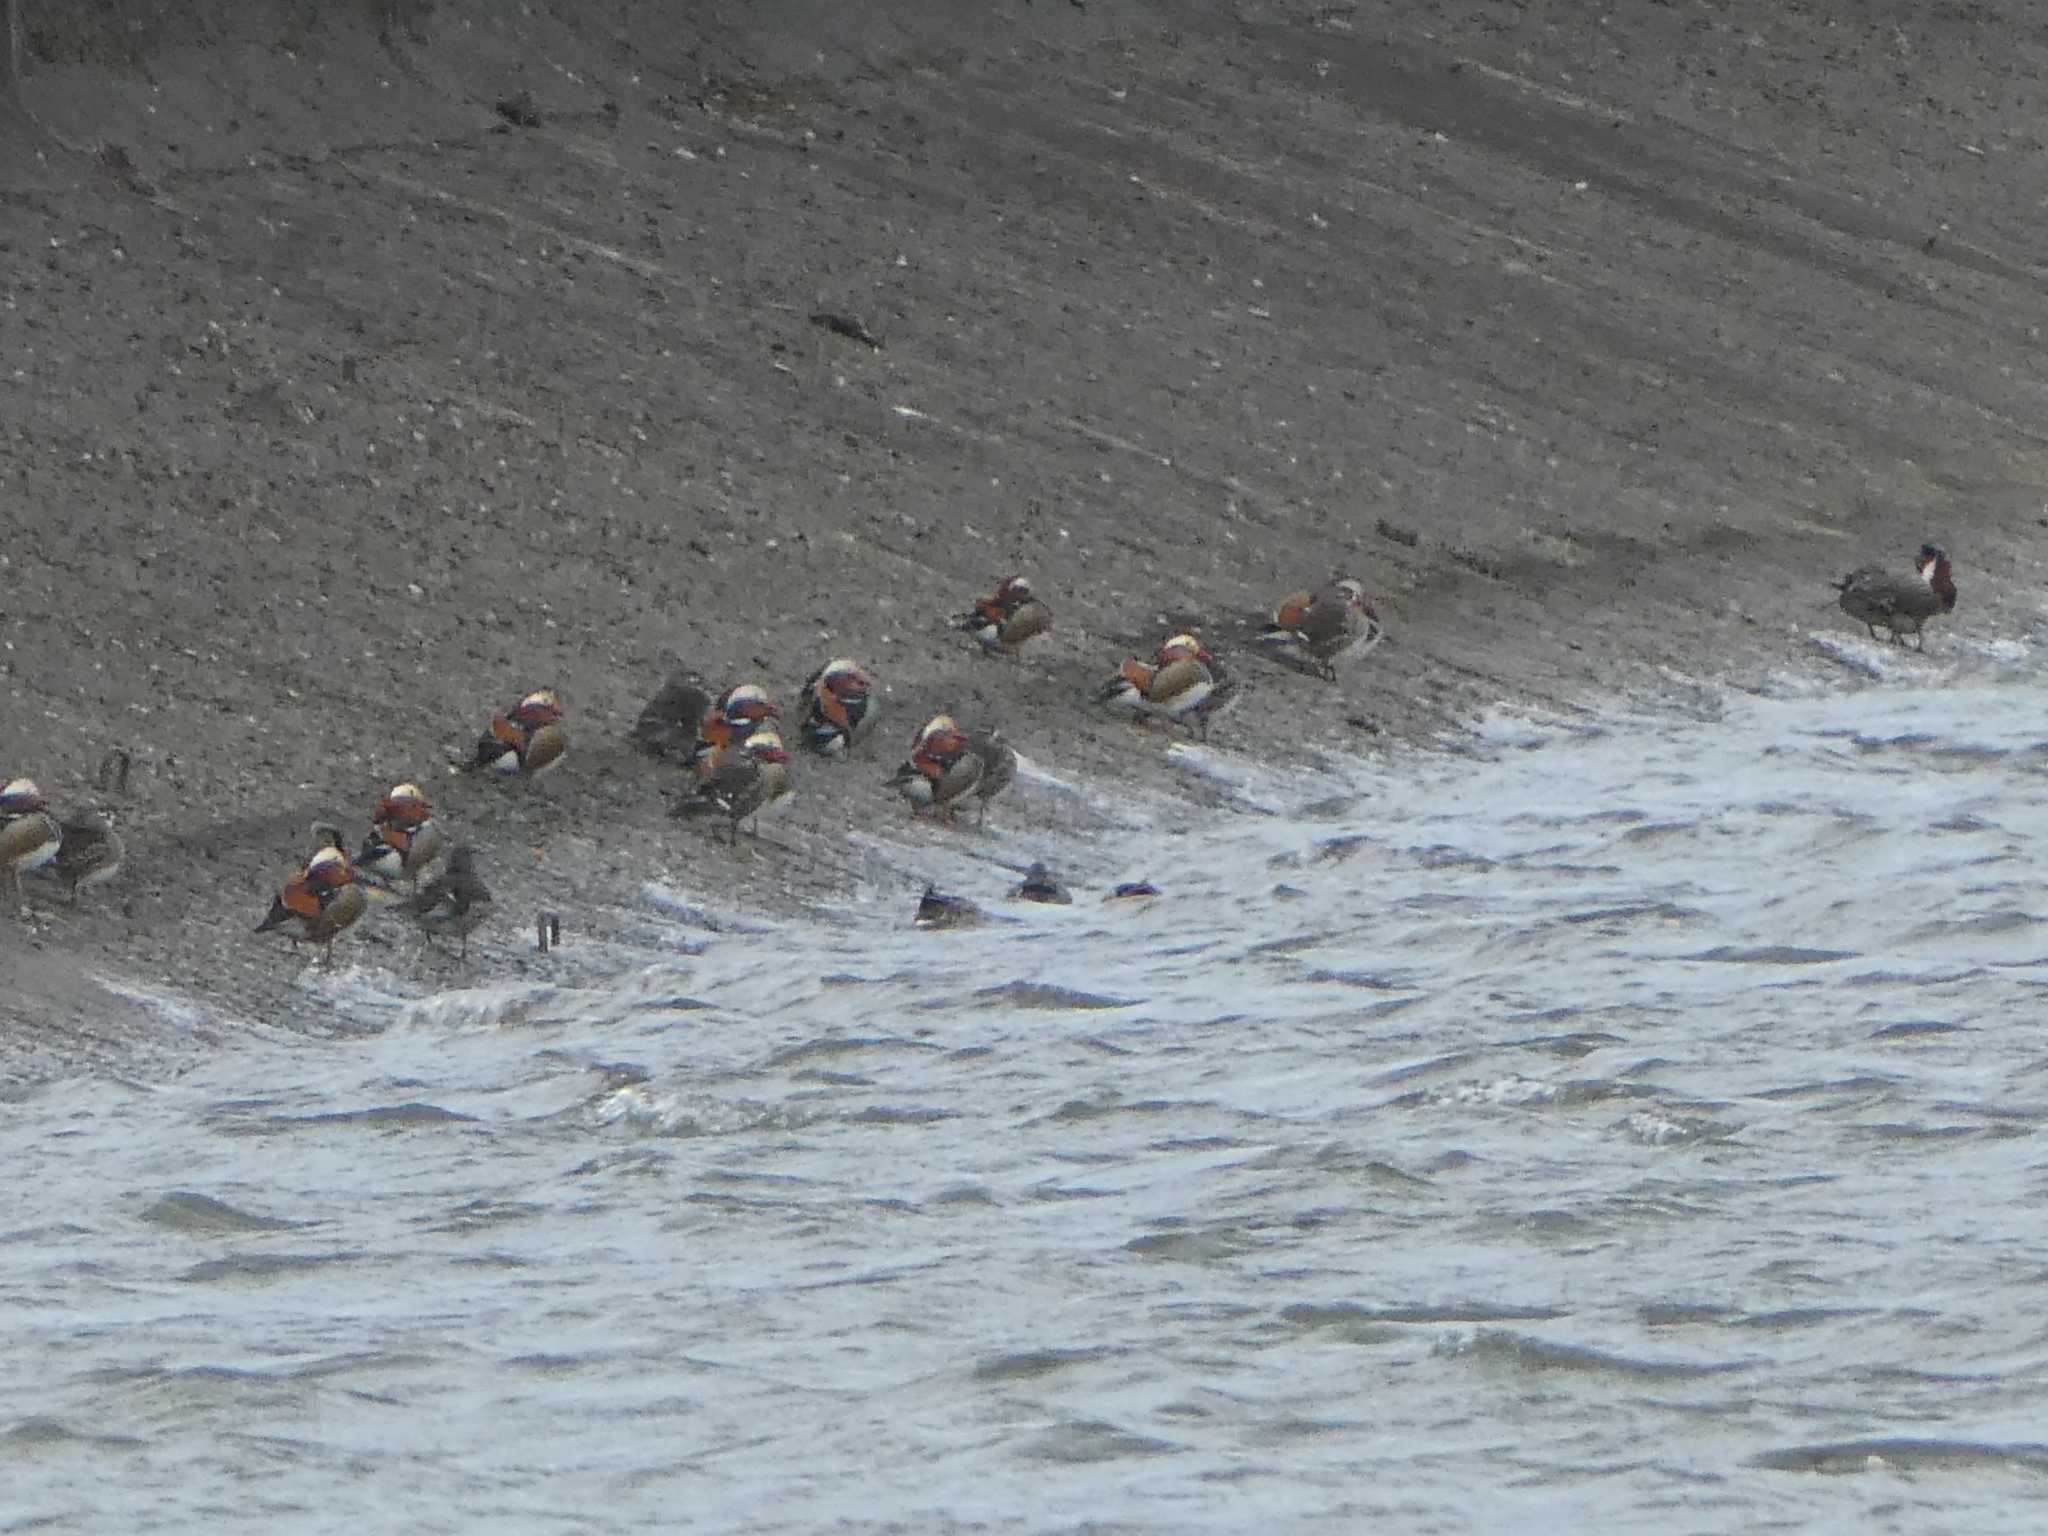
pixel 1318 629
pixel 748 782
pixel 1902 604
pixel 734 716
pixel 404 838
pixel 526 741
pixel 917 776
pixel 29 835
pixel 839 706
pixel 1173 687
pixel 319 903
pixel 947 765
pixel 1003 621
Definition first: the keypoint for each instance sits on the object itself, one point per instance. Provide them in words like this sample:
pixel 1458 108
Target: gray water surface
pixel 1638 1124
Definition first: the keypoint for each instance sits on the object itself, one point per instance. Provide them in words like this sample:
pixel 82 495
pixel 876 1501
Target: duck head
pixel 937 725
pixel 404 803
pixel 20 796
pixel 541 707
pixel 327 869
pixel 843 676
pixel 745 705
pixel 1934 570
pixel 765 747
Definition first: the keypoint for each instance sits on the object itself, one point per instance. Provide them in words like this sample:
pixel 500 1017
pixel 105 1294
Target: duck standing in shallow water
pixel 839 706
pixel 29 835
pixel 1173 687
pixel 1039 885
pixel 1004 621
pixel 528 740
pixel 746 783
pixel 455 902
pixel 1902 604
pixel 404 838
pixel 1321 628
pixel 940 909
pixel 319 903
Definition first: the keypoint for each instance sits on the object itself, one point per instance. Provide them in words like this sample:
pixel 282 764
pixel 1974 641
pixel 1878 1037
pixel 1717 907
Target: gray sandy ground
pixel 337 408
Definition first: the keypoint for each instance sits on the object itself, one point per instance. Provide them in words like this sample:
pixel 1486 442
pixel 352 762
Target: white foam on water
pixel 1700 1041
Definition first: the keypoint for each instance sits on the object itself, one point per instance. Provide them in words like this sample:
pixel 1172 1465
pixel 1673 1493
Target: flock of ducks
pixel 736 768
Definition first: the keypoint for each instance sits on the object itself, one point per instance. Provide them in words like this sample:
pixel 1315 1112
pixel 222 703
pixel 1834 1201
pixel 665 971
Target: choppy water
pixel 1638 1124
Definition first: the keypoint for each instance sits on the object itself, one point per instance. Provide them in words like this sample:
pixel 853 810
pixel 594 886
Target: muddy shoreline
pixel 343 406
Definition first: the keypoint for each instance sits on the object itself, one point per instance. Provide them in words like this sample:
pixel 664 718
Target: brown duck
pixel 455 902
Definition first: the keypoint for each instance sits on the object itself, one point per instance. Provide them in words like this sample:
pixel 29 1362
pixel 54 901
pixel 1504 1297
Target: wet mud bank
pixel 363 371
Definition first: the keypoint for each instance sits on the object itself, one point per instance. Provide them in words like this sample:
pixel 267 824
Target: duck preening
pixel 319 903
pixel 1901 604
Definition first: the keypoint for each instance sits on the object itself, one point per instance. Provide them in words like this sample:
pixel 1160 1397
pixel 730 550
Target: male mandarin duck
pixel 1321 628
pixel 839 706
pixel 528 740
pixel 319 903
pixel 731 718
pixel 947 764
pixel 29 835
pixel 1004 621
pixel 404 838
pixel 1173 687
